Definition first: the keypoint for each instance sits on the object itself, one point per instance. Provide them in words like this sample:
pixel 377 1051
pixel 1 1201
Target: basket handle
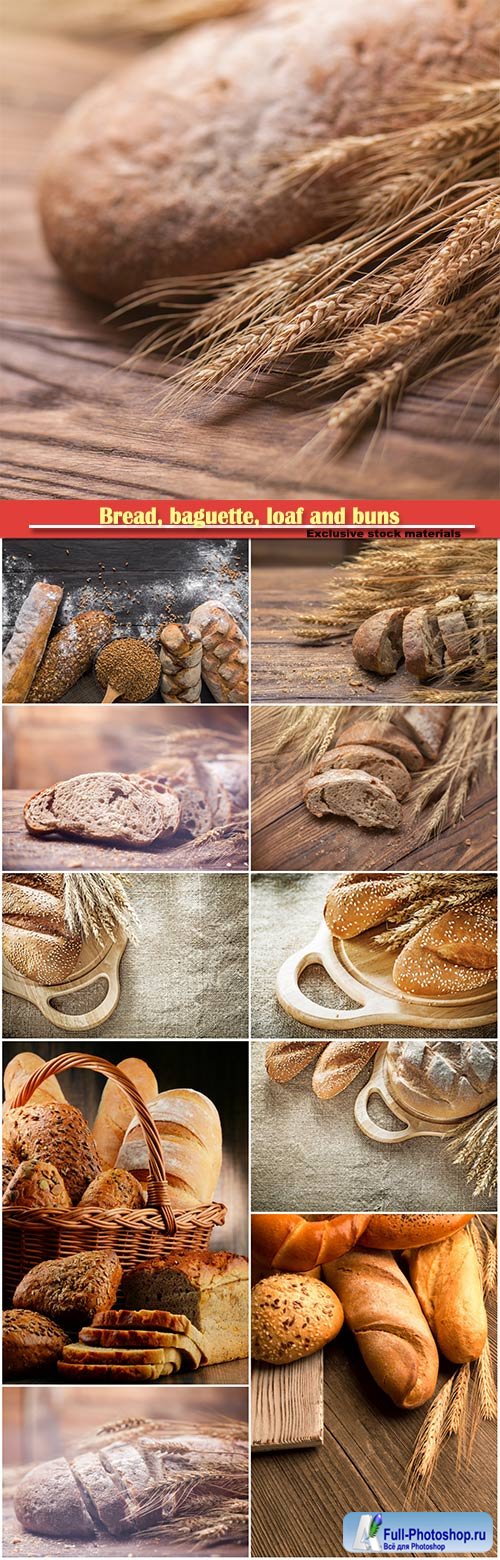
pixel 158 1188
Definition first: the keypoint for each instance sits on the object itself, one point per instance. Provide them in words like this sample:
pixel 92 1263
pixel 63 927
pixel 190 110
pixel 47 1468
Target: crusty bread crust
pixel 377 645
pixel 354 907
pixel 354 794
pixel 425 726
pixel 382 734
pixel 466 936
pixel 373 760
pixel 422 644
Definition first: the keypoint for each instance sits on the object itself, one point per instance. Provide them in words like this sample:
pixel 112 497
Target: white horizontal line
pixel 65 525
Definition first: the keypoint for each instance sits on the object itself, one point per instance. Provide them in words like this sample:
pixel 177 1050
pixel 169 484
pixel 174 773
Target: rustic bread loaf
pixel 422 973
pixel 377 645
pixel 23 653
pixel 466 936
pixel 48 1501
pixel 382 734
pixel 58 1135
pixel 390 1328
pixel 352 793
pixel 423 646
pixel 190 1130
pixel 442 1079
pixel 449 1288
pixel 339 1064
pixel 29 1342
pixel 116 1111
pixel 180 656
pixel 453 630
pixel 355 905
pixel 292 1316
pixel 133 190
pixel 401 1231
pixel 71 1289
pixel 36 1184
pixel 113 1189
pixel 19 1069
pixel 373 760
pixel 426 726
pixel 103 806
pixel 69 655
pixel 285 1059
pixel 210 1288
pixel 478 639
pixel 224 656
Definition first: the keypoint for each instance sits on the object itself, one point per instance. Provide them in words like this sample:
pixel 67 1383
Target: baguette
pixel 449 1288
pixel 224 653
pixel 292 1244
pixel 398 1231
pixel 390 1328
pixel 377 645
pixel 355 905
pixel 355 794
pixel 25 649
pixel 69 655
pixel 339 1064
pixel 285 1059
pixel 466 936
pixel 19 1069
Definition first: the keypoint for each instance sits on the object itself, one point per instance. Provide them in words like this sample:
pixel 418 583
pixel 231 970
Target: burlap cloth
pixel 186 979
pixel 286 912
pixel 308 1155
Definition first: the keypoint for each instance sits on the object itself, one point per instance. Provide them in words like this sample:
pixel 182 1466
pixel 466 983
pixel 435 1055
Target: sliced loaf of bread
pixel 382 734
pixel 423 645
pixel 374 761
pixel 104 806
pixel 354 794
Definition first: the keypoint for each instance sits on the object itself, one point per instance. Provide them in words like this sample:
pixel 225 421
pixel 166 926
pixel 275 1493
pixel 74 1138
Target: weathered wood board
pixel 287 1405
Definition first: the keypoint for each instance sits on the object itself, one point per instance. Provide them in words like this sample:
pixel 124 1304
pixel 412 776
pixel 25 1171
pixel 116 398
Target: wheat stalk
pixel 428 894
pixel 429 1444
pixel 477 1152
pixel 96 903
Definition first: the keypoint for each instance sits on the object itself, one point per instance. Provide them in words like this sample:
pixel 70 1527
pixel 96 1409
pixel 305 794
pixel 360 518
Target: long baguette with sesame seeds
pixel 422 973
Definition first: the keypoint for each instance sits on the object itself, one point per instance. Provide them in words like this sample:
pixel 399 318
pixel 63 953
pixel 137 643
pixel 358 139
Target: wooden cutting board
pixel 287 1405
pixel 97 961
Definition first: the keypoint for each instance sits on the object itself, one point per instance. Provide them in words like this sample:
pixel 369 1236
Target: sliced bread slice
pixel 426 727
pixel 423 646
pixel 73 1372
pixel 373 761
pixel 151 1321
pixel 382 734
pixel 377 643
pixel 91 1354
pixel 353 793
pixel 454 630
pixel 101 806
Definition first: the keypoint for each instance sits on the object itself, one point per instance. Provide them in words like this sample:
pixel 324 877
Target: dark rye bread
pixel 426 726
pixel 423 645
pixel 104 806
pixel 374 761
pixel 377 645
pixel 352 793
pixel 48 1501
pixel 454 630
pixel 136 187
pixel 383 735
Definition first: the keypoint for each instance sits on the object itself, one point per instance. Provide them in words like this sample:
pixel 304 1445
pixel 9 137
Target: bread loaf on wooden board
pixel 466 936
pixel 443 1080
pixel 384 1314
pixel 449 1287
pixel 133 189
pixel 25 649
pixel 356 903
pixel 423 973
pixel 116 1111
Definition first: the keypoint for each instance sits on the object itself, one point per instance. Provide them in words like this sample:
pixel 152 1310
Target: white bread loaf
pixel 116 1112
pixel 19 1069
pixel 190 1130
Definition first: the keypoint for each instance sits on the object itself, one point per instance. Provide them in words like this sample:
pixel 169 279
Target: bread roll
pixel 36 1184
pixel 295 1245
pixel 355 905
pixel 397 1231
pixel 113 1189
pixel 448 1285
pixel 285 1059
pixel 190 1130
pixel 423 973
pixel 116 1112
pixel 58 1135
pixel 292 1316
pixel 390 1328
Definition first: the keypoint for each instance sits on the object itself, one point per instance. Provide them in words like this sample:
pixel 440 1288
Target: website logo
pixel 418 1533
pixel 367 1541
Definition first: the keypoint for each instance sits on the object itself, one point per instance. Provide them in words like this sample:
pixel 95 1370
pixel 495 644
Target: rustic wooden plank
pixel 74 429
pixel 24 852
pixel 287 1405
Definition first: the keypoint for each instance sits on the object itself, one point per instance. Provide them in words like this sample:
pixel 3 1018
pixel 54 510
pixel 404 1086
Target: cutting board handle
pixel 412 1127
pixel 77 1023
pixel 371 1004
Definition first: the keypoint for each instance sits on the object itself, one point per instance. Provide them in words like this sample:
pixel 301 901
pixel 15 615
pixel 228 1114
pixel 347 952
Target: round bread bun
pixel 423 973
pixel 58 1135
pixel 353 907
pixel 292 1316
pixel 113 1189
pixel 402 1231
pixel 36 1184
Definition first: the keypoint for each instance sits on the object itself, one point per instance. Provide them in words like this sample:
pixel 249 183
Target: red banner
pixel 335 518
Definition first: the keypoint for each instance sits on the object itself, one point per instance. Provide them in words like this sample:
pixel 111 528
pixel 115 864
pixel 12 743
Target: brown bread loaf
pixel 398 1231
pixel 422 973
pixel 224 660
pixel 382 734
pixel 36 1184
pixel 453 628
pixel 339 1064
pixel 390 1328
pixel 285 1059
pixel 448 1285
pixel 377 645
pixel 113 1189
pixel 29 1342
pixel 373 760
pixel 292 1316
pixel 71 1289
pixel 23 653
pixel 69 655
pixel 423 646
pixel 58 1135
pixel 104 806
pixel 132 191
pixel 356 903
pixel 210 1288
pixel 180 656
pixel 426 727
pixel 354 794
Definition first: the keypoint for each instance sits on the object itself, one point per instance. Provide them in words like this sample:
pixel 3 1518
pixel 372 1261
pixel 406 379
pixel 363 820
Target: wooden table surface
pixel 76 425
pixel 300 1498
pixel 286 668
pixel 286 837
pixel 24 852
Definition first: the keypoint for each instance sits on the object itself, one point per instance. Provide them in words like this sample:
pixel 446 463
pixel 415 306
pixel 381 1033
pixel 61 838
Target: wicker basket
pixel 148 1234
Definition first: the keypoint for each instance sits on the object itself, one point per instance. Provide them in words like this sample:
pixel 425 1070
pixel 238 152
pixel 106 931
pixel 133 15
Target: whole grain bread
pixel 58 1135
pixel 210 1288
pixel 48 1501
pixel 372 760
pixel 104 806
pixel 453 629
pixel 29 1341
pixel 113 1189
pixel 423 645
pixel 355 794
pixel 71 1289
pixel 382 735
pixel 377 645
pixel 426 726
pixel 135 189
pixel 36 1184
pixel 69 654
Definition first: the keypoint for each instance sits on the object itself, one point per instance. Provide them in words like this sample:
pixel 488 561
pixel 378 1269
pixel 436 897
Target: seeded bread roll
pixel 29 1342
pixel 285 1059
pixel 422 973
pixel 69 654
pixel 292 1316
pixel 339 1064
pixel 377 645
pixel 113 1189
pixel 372 760
pixel 104 806
pixel 354 906
pixel 423 646
pixel 71 1289
pixel 58 1135
pixel 466 936
pixel 382 734
pixel 36 1184
pixel 426 727
pixel 353 794
pixel 453 629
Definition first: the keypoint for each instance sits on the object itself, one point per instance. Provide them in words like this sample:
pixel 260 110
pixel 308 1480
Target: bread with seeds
pixel 466 934
pixel 292 1316
pixel 422 973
